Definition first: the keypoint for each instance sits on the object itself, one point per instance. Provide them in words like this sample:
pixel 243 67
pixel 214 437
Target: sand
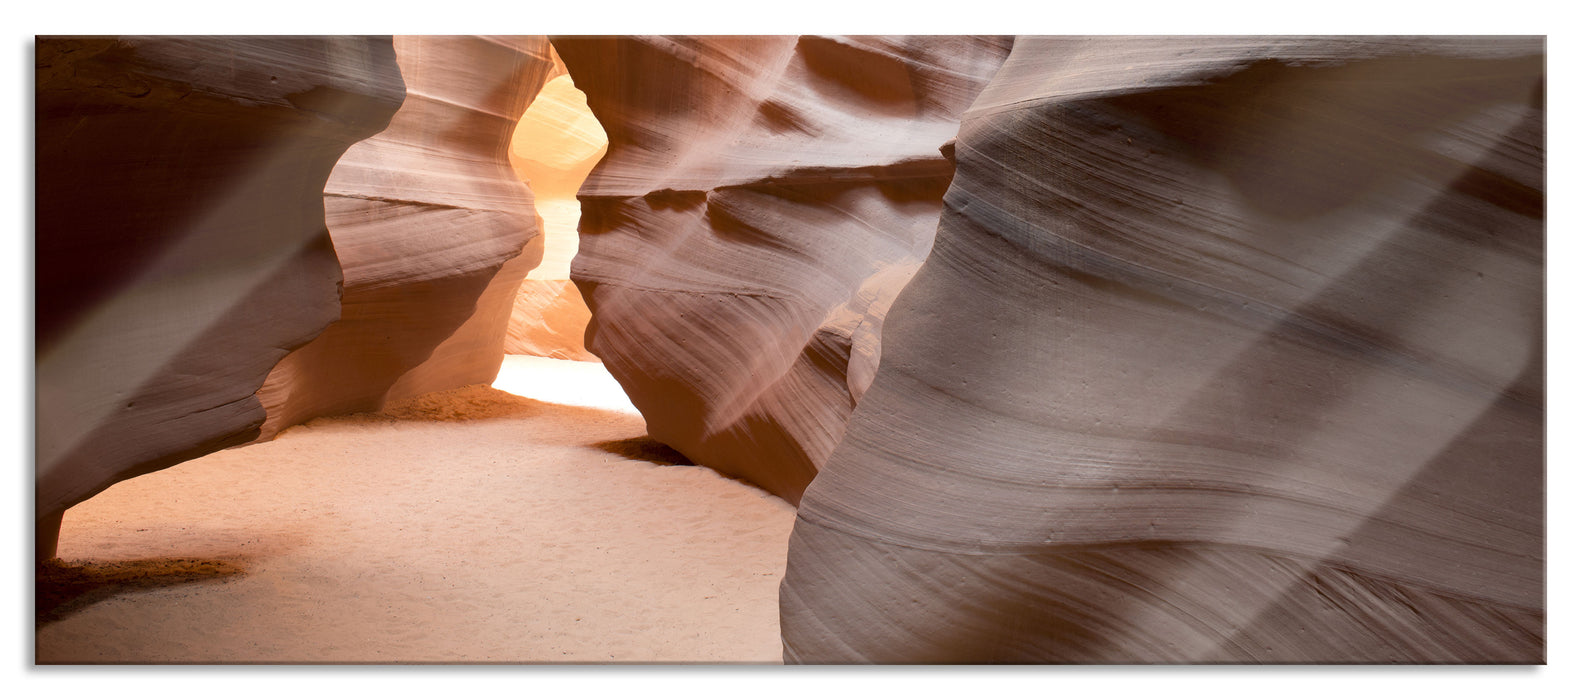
pixel 471 526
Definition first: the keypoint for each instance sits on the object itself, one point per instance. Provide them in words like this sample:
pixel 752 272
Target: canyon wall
pixel 180 241
pixel 434 232
pixel 1228 350
pixel 762 201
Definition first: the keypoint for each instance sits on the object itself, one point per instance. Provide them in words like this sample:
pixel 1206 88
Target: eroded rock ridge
pixel 762 200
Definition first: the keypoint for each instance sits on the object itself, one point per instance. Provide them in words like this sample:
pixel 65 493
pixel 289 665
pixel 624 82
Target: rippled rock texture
pixel 434 232
pixel 180 242
pixel 1227 350
pixel 762 201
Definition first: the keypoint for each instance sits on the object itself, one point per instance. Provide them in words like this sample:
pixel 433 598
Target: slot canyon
pixel 802 349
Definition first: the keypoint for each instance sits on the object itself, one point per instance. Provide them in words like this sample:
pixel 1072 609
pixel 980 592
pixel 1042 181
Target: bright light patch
pixel 566 382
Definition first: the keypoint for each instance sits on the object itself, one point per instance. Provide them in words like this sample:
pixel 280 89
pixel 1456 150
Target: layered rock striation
pixel 181 248
pixel 761 202
pixel 434 232
pixel 1228 350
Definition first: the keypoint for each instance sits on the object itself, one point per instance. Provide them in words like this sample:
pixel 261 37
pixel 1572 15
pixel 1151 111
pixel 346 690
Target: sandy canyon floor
pixel 467 526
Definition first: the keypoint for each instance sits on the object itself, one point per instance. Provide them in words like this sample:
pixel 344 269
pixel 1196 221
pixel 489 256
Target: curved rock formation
pixel 434 233
pixel 181 245
pixel 1227 350
pixel 762 201
pixel 556 144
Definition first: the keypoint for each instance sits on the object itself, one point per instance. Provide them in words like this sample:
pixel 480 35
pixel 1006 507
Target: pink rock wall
pixel 762 200
pixel 434 232
pixel 1228 350
pixel 180 243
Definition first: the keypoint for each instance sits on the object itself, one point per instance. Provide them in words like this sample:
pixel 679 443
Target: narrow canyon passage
pixel 531 522
pixel 471 525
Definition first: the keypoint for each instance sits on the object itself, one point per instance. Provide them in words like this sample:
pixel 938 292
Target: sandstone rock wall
pixel 434 232
pixel 1227 350
pixel 180 242
pixel 762 200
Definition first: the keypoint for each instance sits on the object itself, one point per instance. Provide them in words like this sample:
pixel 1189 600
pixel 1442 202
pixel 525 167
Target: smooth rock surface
pixel 549 320
pixel 434 232
pixel 1228 350
pixel 181 245
pixel 762 201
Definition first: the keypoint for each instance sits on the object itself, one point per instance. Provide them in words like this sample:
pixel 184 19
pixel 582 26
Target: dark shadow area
pixel 66 588
pixel 645 448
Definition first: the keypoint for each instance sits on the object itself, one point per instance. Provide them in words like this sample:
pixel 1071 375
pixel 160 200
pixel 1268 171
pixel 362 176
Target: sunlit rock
pixel 556 144
pixel 433 230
